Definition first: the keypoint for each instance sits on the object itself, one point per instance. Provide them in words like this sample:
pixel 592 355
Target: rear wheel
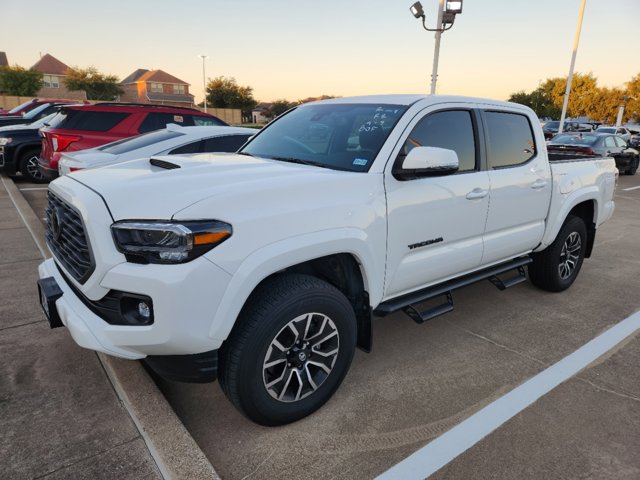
pixel 289 351
pixel 29 166
pixel 556 268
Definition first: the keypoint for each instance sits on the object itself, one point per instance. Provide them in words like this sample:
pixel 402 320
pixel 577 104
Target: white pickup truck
pixel 265 268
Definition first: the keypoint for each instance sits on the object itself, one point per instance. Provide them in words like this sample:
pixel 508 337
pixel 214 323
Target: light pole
pixel 204 82
pixel 567 91
pixel 447 11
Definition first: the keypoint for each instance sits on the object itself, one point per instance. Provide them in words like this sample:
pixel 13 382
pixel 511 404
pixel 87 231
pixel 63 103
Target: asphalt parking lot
pixel 422 380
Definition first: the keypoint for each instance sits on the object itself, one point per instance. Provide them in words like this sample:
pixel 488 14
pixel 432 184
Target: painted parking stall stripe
pixel 631 188
pixel 448 446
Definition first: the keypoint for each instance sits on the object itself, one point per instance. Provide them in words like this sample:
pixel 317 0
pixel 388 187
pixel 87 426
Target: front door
pixel 436 224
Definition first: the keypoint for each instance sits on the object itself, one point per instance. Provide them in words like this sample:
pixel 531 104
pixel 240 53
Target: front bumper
pixel 185 298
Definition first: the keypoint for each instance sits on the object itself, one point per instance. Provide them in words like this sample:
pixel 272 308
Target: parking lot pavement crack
pixel 608 390
pixel 21 325
pixel 259 465
pixel 84 459
pixel 499 345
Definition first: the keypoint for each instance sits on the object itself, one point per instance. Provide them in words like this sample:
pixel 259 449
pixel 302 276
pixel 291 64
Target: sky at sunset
pixel 296 49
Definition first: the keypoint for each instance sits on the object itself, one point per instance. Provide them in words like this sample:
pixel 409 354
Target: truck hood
pixel 138 189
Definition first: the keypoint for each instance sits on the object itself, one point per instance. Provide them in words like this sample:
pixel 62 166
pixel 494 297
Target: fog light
pixel 136 310
pixel 144 310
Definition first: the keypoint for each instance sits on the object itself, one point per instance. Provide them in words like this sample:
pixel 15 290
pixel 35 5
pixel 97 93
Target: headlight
pixel 5 140
pixel 168 242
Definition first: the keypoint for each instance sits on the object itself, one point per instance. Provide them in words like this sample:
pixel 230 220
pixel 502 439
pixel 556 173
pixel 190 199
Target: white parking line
pixel 630 188
pixel 463 436
pixel 33 188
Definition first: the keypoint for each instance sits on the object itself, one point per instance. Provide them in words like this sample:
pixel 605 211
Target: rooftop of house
pixel 144 75
pixel 50 65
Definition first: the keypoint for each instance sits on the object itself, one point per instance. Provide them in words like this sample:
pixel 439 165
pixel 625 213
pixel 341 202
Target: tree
pixel 19 81
pixel 539 101
pixel 97 86
pixel 632 110
pixel 278 107
pixel 224 92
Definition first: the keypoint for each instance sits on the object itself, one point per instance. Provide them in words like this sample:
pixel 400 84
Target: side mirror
pixel 428 161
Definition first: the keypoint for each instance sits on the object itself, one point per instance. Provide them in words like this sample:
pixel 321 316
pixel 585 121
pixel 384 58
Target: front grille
pixel 67 239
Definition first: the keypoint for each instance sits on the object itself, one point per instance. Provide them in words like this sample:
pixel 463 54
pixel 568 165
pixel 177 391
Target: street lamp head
pixel 416 10
pixel 453 6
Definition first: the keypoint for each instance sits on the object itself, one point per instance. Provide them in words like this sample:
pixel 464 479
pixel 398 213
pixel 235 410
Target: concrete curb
pixel 173 449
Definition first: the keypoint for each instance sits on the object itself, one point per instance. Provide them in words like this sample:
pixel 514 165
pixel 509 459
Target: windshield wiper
pixel 300 161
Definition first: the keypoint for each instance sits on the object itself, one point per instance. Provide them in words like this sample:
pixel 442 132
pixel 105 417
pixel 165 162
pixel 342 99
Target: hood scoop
pixel 163 164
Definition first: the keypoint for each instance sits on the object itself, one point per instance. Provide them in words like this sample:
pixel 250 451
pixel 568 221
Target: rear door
pixel 436 224
pixel 520 179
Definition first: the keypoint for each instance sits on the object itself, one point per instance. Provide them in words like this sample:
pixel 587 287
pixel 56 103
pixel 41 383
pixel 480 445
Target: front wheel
pixel 290 349
pixel 556 268
pixel 633 168
pixel 29 166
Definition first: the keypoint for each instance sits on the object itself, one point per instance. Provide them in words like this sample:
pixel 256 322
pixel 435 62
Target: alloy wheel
pixel 301 357
pixel 569 255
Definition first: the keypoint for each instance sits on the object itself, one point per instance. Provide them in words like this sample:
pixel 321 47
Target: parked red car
pixel 86 126
pixel 33 103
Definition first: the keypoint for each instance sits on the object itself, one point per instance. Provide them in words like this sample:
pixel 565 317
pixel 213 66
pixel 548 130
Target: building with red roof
pixel 156 86
pixel 53 73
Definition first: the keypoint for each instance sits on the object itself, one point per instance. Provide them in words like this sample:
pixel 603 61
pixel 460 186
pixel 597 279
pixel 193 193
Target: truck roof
pixel 409 99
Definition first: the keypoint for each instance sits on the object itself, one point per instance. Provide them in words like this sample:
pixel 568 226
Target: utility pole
pixel 436 51
pixel 567 91
pixel 204 82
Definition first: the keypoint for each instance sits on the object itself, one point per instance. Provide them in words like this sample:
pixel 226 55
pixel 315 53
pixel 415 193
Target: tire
pixel 556 268
pixel 269 377
pixel 633 168
pixel 29 166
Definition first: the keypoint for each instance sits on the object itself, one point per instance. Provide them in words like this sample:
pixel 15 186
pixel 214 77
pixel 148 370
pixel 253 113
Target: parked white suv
pixel 265 268
pixel 172 140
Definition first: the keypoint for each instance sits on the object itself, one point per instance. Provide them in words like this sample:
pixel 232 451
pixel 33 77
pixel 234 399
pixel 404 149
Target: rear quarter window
pixel 227 143
pixel 139 141
pixel 510 139
pixel 91 120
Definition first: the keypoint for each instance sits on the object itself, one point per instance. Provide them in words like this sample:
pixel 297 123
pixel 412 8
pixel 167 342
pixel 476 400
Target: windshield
pixel 552 125
pixel 574 139
pixel 606 130
pixel 336 136
pixel 20 107
pixel 43 121
pixel 33 113
pixel 139 141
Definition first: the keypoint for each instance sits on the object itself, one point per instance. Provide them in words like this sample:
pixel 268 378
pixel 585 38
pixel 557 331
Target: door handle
pixel 538 184
pixel 477 193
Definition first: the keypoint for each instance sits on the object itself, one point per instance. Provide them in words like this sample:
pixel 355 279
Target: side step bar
pixel 408 303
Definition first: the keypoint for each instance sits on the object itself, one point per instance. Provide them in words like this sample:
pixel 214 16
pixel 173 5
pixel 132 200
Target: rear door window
pixel 620 142
pixel 156 121
pixel 510 139
pixel 227 143
pixel 91 120
pixel 202 121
